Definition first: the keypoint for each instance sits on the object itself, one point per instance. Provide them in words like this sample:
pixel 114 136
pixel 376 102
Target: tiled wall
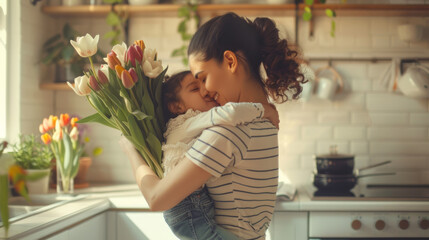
pixel 366 119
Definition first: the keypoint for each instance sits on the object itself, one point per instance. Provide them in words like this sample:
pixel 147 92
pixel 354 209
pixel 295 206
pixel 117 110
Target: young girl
pixel 190 114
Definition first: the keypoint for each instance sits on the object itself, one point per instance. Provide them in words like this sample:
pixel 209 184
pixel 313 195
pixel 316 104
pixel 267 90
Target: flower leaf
pixel 4 195
pixel 96 118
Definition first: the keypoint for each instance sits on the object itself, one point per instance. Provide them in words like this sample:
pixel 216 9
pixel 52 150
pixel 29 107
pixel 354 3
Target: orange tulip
pixel 46 138
pixel 140 43
pixel 41 129
pixel 45 124
pixel 119 69
pixel 112 60
pixel 73 122
pixel 16 176
pixel 64 120
pixel 52 121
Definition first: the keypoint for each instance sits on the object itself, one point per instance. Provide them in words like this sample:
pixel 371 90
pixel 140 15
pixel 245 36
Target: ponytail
pixel 279 62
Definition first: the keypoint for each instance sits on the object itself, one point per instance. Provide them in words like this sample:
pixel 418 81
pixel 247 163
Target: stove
pixel 374 192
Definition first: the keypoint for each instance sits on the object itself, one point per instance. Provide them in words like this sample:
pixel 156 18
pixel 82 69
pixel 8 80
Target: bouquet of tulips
pixel 63 136
pixel 126 93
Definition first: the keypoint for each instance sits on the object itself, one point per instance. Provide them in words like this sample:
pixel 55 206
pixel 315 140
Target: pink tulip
pixel 134 53
pixel 133 75
pixel 127 79
pixel 93 83
pixel 102 77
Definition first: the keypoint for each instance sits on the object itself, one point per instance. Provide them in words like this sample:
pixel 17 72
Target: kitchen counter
pixel 101 198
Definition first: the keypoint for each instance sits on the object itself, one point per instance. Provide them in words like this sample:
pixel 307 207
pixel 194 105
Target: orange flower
pixel 41 128
pixel 112 60
pixel 52 121
pixel 17 175
pixel 45 124
pixel 140 43
pixel 46 138
pixel 119 69
pixel 64 120
pixel 73 122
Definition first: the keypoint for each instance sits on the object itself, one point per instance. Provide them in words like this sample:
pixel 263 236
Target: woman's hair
pixel 259 42
pixel 170 92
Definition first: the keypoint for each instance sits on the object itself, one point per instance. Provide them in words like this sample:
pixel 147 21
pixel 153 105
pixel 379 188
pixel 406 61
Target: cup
pixel 326 88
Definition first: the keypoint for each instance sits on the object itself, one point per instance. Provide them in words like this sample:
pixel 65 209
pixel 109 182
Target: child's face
pixel 194 96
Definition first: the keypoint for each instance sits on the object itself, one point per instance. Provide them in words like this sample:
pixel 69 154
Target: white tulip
pixel 85 46
pixel 151 68
pixel 81 87
pixel 120 50
pixel 6 160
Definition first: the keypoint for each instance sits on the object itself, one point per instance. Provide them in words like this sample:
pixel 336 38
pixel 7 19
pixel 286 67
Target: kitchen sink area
pixel 20 208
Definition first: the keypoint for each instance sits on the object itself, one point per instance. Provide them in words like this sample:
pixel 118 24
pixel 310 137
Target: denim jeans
pixel 193 219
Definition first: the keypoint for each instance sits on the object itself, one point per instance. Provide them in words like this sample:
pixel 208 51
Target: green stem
pixel 92 66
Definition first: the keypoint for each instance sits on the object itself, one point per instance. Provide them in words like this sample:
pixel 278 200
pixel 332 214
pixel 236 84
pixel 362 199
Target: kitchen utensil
pixel 327 87
pixel 415 81
pixel 335 163
pixel 340 183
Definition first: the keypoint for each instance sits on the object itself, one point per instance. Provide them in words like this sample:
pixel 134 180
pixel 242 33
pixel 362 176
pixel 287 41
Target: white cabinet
pixel 141 225
pixel 93 229
pixel 289 226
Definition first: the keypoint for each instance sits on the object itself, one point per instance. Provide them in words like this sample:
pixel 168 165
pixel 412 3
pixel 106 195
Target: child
pixel 189 115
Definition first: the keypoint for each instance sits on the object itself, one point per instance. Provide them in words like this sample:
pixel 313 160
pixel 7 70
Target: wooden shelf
pixel 55 86
pixel 213 9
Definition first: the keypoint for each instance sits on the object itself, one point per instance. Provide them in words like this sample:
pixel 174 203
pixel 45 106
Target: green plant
pixel 307 15
pixel 32 154
pixel 116 20
pixel 186 13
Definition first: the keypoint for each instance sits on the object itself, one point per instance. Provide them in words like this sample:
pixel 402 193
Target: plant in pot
pixel 35 158
pixel 58 51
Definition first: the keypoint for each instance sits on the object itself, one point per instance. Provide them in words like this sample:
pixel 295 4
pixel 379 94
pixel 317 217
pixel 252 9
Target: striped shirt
pixel 244 162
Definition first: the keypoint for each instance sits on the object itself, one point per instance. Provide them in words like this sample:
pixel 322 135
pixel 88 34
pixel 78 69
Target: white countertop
pixel 100 198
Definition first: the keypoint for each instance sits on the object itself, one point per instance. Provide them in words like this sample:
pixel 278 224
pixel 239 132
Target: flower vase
pixel 65 184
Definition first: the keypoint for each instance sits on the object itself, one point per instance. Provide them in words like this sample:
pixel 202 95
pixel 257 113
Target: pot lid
pixel 333 154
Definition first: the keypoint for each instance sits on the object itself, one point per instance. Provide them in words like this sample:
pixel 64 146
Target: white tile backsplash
pixel 365 119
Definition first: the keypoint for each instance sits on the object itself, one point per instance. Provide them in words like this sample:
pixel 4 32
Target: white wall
pixel 366 120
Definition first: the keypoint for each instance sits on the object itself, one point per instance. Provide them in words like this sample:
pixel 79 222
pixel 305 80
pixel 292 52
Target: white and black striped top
pixel 244 162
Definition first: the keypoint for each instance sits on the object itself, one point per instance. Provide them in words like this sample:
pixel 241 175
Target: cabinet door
pixel 142 226
pixel 290 226
pixel 93 228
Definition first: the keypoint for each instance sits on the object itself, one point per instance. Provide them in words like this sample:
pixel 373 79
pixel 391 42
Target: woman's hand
pixel 271 114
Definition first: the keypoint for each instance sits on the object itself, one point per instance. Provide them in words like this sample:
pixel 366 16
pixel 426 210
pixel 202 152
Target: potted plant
pixel 58 51
pixel 35 158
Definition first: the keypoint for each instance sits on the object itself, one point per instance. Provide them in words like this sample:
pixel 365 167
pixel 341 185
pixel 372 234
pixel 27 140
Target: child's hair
pixel 170 89
pixel 259 42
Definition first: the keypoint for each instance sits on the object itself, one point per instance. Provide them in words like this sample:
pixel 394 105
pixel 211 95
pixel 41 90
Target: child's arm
pixel 231 114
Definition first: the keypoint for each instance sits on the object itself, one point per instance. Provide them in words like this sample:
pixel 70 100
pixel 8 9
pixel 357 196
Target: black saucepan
pixel 335 163
pixel 339 183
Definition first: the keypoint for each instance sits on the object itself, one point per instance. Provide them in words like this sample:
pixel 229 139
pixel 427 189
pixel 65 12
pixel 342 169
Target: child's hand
pixel 271 114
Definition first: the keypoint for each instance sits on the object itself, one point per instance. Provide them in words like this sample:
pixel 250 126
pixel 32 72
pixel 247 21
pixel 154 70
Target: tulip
pixel 58 135
pixel 119 70
pixel 46 138
pixel 140 43
pixel 73 121
pixel 45 125
pixel 17 176
pixel 52 121
pixel 133 74
pixel 127 79
pixel 105 69
pixel 134 53
pixel 93 83
pixel 152 68
pixel 112 60
pixel 119 50
pixel 81 87
pixel 41 128
pixel 102 77
pixel 64 120
pixel 85 46
pixel 74 134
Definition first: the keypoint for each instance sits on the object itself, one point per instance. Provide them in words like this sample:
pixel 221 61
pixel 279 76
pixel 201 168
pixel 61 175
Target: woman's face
pixel 192 95
pixel 217 79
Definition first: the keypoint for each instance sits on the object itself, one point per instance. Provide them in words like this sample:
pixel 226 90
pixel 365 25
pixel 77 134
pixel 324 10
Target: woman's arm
pixel 163 194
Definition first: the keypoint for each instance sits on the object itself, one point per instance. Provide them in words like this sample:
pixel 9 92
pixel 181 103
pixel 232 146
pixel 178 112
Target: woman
pixel 242 161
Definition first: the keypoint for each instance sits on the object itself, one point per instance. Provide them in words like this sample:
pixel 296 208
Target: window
pixel 3 67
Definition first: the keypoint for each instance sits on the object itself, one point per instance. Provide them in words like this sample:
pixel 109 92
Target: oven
pixel 397 222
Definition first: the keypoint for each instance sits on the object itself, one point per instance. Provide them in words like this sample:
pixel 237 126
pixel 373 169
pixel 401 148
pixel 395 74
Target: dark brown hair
pixel 170 89
pixel 259 42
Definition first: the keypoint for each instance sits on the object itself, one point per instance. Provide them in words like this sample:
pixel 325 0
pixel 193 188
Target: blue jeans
pixel 193 219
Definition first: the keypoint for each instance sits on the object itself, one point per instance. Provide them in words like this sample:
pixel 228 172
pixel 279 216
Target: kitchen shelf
pixel 55 86
pixel 213 9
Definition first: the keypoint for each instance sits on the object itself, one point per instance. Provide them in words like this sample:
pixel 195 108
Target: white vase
pixel 40 186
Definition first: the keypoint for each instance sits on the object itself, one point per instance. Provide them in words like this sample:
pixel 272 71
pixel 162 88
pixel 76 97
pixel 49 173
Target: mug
pixel 327 87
